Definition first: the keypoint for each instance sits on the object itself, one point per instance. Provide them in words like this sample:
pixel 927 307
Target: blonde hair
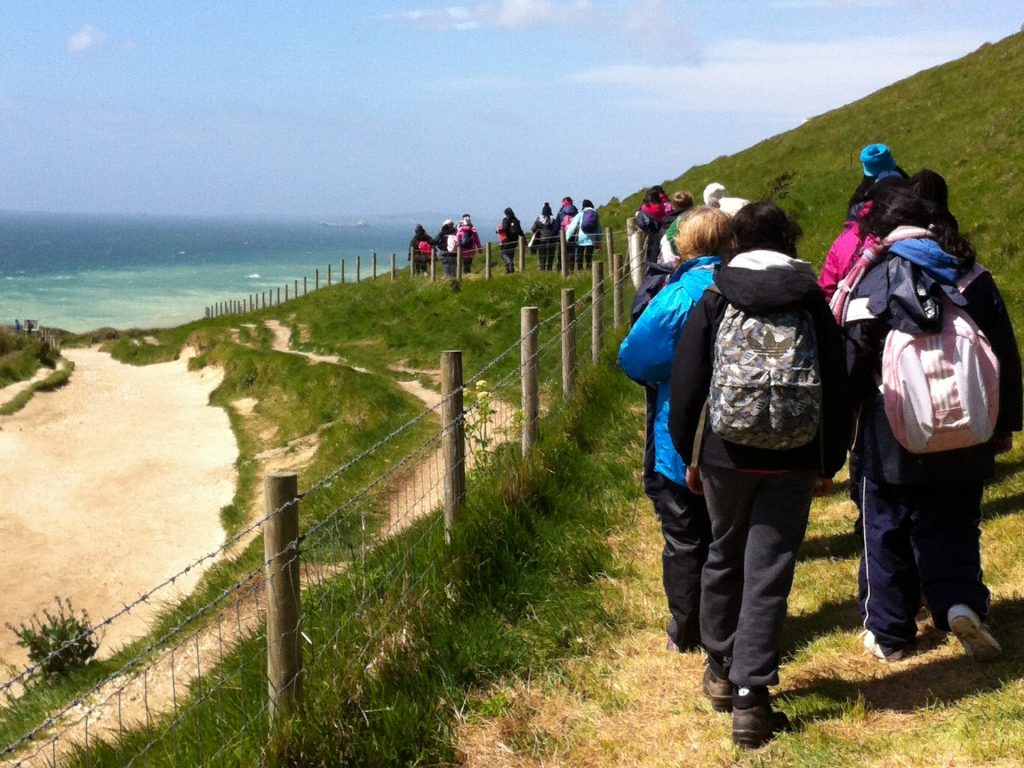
pixel 706 231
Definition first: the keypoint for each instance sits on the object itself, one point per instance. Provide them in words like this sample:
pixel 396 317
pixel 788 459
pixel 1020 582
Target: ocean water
pixel 82 272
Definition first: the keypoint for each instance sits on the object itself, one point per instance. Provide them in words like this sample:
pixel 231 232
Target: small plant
pixel 58 643
pixel 479 426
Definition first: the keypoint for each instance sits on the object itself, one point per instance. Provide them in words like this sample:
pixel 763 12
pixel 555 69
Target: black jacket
pixel 759 281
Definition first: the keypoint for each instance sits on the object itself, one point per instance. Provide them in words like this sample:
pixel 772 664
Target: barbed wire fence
pixel 236 663
pixel 565 261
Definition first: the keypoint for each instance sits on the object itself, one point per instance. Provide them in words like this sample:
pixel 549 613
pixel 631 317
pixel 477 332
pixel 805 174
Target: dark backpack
pixel 465 239
pixel 765 384
pixel 589 223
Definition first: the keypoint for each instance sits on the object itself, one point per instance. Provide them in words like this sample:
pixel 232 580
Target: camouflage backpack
pixel 765 384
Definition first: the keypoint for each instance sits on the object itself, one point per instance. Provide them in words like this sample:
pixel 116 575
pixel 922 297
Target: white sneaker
pixel 872 646
pixel 974 636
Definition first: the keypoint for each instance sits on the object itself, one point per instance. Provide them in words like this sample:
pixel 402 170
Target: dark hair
pixel 764 225
pixel 546 210
pixel 930 186
pixel 896 206
pixel 510 213
pixel 653 196
pixel 587 204
pixel 864 190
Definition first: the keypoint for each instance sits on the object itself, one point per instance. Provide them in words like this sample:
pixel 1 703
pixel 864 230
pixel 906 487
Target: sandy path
pixel 108 487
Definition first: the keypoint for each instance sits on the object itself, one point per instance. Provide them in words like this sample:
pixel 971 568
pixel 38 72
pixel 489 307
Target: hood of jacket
pixel 927 254
pixel 764 281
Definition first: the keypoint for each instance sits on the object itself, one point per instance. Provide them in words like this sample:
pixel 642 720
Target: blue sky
pixel 345 109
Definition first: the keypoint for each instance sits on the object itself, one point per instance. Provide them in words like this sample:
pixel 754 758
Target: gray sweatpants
pixel 758 522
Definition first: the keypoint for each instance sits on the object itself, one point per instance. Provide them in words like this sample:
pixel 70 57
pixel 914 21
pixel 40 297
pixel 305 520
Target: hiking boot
pixel 754 727
pixel 974 636
pixel 880 653
pixel 718 691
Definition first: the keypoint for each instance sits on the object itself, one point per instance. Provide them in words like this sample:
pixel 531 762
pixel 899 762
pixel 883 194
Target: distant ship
pixel 361 224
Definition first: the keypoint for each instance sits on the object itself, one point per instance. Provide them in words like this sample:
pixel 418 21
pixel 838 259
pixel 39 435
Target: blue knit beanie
pixel 876 159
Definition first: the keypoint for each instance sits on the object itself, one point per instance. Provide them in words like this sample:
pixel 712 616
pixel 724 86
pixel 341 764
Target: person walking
pixel 468 241
pixel 564 217
pixel 879 169
pixel 584 232
pixel 545 237
pixel 646 355
pixel 422 249
pixel 509 231
pixel 765 314
pixel 920 503
pixel 447 247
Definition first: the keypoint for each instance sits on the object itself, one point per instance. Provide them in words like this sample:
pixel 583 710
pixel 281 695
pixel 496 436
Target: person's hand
pixel 693 481
pixel 823 487
pixel 1003 443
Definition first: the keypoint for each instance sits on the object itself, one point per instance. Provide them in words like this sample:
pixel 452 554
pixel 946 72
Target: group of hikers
pixel 581 227
pixel 762 377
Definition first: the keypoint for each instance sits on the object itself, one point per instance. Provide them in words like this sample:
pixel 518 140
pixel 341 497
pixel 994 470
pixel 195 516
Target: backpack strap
pixel 698 437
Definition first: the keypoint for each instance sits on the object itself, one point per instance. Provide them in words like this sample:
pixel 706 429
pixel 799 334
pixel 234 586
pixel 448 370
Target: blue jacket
pixel 647 353
pixel 575 230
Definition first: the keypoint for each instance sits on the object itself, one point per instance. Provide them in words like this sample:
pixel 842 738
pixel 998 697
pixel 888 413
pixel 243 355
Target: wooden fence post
pixel 528 365
pixel 412 262
pixel 433 268
pixel 609 245
pixel 305 285
pixel 394 266
pixel 359 268
pixel 487 261
pixel 568 342
pixel 284 630
pixel 597 312
pixel 522 253
pixel 341 279
pixel 563 254
pixel 296 294
pixel 617 307
pixel 374 266
pixel 328 274
pixel 453 438
pixel 458 262
pixel 316 280
pixel 279 295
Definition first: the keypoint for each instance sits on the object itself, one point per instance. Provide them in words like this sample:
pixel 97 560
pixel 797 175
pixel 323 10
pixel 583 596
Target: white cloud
pixel 647 27
pixel 503 14
pixel 784 78
pixel 832 5
pixel 85 38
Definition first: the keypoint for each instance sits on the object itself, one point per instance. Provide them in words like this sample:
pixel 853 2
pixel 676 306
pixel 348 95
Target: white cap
pixel 713 192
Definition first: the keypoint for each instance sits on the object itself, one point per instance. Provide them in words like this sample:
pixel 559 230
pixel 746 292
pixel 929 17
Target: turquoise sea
pixel 82 272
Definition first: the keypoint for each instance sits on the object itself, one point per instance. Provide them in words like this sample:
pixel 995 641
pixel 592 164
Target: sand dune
pixel 108 487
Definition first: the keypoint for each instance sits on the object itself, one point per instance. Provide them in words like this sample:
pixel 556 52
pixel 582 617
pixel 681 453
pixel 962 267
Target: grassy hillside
pixel 964 119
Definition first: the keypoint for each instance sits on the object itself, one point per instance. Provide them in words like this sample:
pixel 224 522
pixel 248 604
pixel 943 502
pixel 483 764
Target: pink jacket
pixel 469 254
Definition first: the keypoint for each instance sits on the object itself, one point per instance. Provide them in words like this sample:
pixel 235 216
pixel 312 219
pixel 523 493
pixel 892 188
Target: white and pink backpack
pixel 941 389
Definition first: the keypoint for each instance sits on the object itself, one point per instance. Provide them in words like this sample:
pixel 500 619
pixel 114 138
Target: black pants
pixel 686 528
pixel 508 255
pixel 546 255
pixel 584 257
pixel 921 539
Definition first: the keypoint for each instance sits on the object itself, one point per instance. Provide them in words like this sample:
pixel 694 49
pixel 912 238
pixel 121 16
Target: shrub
pixel 58 643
